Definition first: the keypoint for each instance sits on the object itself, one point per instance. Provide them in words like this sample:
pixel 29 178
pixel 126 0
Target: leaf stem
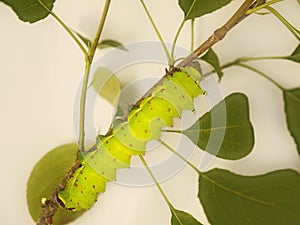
pixel 88 62
pixel 99 31
pixel 171 207
pixel 179 31
pixel 181 157
pixel 82 105
pixel 156 182
pixel 157 33
pixel 192 34
pixel 255 9
pixel 173 131
pixel 220 33
pixel 238 62
pixel 69 31
pixel 245 59
pixel 260 73
pixel 289 26
pixel 176 39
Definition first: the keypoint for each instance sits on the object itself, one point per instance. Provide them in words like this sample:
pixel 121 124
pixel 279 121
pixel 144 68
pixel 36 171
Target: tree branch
pixel 220 33
pixel 50 205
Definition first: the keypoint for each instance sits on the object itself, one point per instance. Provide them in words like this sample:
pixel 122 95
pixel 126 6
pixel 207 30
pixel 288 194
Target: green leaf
pixel 298 2
pixel 183 218
pixel 85 40
pixel 231 199
pixel 292 111
pixel 212 58
pixel 239 136
pixel 295 56
pixel 262 13
pixel 44 178
pixel 108 43
pixel 30 10
pixel 106 84
pixel 196 8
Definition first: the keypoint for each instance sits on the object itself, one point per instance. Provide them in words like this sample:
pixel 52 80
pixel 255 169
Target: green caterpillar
pixel 176 92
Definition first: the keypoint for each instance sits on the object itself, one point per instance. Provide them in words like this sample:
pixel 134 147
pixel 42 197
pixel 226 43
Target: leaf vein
pixel 251 198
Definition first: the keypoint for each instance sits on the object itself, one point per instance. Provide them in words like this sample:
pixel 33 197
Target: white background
pixel 41 68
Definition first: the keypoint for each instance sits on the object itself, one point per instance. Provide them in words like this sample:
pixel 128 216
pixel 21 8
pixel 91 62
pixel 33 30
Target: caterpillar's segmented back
pixel 175 93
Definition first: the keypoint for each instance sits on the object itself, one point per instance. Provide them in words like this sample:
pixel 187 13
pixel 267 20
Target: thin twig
pixel 179 31
pixel 51 204
pixel 192 34
pixel 289 26
pixel 261 73
pixel 156 182
pixel 220 33
pixel 69 31
pixel 157 32
pixel 89 60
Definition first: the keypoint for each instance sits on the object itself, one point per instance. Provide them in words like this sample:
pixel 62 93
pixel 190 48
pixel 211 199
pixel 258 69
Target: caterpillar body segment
pixel 116 149
pixel 175 93
pixel 85 182
pixel 145 129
